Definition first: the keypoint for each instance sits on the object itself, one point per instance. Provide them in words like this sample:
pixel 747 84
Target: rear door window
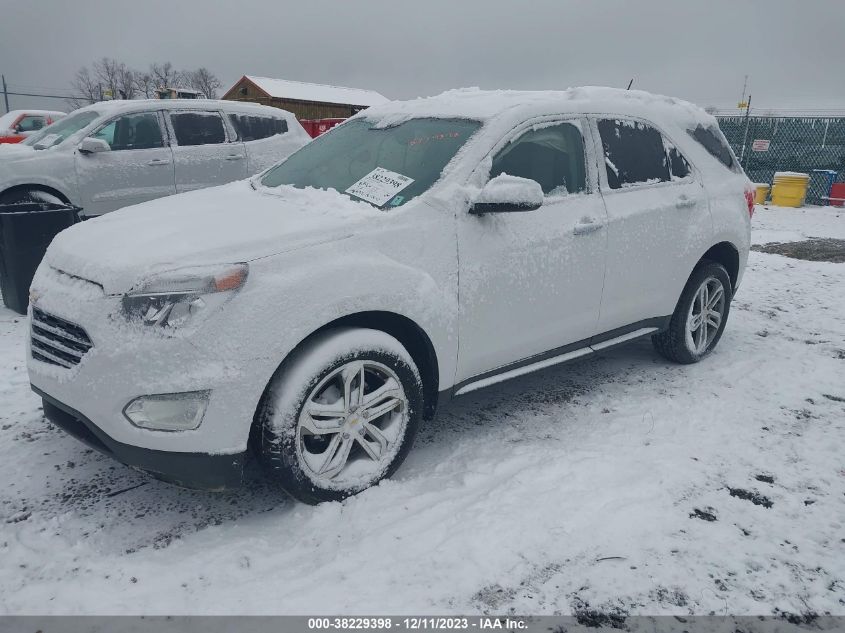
pixel 198 128
pixel 253 128
pixel 634 153
pixel 552 156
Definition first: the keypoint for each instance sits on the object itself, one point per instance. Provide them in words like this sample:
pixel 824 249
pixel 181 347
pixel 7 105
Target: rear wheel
pixel 342 415
pixel 700 316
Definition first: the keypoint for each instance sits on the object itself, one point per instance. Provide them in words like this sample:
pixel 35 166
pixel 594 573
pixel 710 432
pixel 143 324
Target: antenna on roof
pixel 630 83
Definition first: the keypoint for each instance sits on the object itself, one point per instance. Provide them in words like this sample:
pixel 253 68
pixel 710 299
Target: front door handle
pixel 685 202
pixel 235 157
pixel 158 161
pixel 587 225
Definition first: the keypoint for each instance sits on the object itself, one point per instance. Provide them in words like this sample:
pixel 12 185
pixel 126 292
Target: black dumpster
pixel 26 230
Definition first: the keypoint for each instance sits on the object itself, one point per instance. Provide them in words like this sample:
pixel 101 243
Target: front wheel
pixel 341 415
pixel 700 316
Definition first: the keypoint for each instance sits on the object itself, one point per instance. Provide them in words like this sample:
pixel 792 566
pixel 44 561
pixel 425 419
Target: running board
pixel 554 360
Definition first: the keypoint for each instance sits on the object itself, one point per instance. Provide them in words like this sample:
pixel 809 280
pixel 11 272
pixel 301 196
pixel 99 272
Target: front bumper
pixel 191 470
pixel 125 362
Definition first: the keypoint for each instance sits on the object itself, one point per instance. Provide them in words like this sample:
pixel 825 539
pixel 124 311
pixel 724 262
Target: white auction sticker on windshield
pixel 379 186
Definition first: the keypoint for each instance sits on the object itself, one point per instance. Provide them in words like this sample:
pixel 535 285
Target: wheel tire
pixel 678 344
pixel 287 446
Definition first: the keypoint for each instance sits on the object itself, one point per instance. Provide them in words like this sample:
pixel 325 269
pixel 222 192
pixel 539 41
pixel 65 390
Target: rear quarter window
pixel 712 139
pixel 253 128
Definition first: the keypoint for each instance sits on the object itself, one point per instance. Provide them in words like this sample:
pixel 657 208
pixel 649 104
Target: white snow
pixel 303 91
pixel 513 189
pixel 231 223
pixel 791 174
pixel 541 495
pixel 473 103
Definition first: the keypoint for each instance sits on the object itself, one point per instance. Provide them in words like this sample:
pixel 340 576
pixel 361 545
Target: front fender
pixel 289 297
pixel 53 173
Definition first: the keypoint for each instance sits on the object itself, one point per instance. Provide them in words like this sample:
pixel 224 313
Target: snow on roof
pixel 474 103
pixel 131 105
pixel 301 91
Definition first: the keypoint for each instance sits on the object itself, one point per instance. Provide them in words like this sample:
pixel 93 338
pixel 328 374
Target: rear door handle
pixel 158 161
pixel 587 225
pixel 235 157
pixel 685 202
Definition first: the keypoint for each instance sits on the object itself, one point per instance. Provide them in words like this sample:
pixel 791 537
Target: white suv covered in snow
pixel 316 314
pixel 118 153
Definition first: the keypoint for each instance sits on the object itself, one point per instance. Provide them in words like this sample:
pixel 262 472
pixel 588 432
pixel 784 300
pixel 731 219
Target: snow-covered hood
pixel 19 161
pixel 228 224
pixel 14 151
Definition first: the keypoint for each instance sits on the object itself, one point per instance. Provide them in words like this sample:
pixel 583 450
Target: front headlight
pixel 172 298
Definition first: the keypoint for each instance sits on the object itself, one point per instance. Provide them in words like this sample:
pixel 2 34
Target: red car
pixel 16 125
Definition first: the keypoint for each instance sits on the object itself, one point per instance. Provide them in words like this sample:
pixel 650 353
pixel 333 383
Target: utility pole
pixel 5 93
pixel 745 136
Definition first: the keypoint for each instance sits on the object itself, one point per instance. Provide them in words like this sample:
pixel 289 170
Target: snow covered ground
pixel 622 483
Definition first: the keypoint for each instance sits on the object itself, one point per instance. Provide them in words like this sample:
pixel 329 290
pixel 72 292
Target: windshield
pixel 61 129
pixel 386 167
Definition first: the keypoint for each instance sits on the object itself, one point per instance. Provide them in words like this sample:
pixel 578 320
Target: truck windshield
pixel 61 129
pixel 386 167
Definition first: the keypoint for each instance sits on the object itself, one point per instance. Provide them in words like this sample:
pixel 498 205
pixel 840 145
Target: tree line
pixel 110 78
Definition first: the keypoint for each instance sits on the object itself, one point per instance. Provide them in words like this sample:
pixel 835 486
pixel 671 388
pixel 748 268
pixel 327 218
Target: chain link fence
pixel 808 144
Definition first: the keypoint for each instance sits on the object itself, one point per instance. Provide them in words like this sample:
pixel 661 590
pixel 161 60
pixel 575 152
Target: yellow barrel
pixel 761 192
pixel 789 189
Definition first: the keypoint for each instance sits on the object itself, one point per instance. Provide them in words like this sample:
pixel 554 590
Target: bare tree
pixel 86 87
pixel 106 72
pixel 112 79
pixel 144 85
pixel 165 76
pixel 205 81
pixel 126 82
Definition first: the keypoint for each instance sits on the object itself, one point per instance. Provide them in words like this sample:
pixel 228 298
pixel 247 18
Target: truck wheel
pixel 700 316
pixel 340 415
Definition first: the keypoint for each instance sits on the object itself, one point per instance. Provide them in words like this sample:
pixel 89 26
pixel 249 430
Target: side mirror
pixel 93 146
pixel 507 194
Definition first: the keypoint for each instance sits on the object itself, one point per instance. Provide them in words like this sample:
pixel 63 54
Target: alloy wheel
pixel 351 425
pixel 705 315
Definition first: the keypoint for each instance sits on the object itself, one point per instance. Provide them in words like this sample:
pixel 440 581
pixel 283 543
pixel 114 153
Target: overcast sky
pixel 696 49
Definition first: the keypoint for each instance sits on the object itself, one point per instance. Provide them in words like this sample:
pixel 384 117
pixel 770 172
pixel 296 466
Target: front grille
pixel 56 341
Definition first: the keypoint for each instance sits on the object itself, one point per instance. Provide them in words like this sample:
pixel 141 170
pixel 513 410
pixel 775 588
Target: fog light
pixel 168 411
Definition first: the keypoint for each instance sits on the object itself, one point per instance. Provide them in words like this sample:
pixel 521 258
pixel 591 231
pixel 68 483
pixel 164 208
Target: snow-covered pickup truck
pixel 314 315
pixel 118 153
